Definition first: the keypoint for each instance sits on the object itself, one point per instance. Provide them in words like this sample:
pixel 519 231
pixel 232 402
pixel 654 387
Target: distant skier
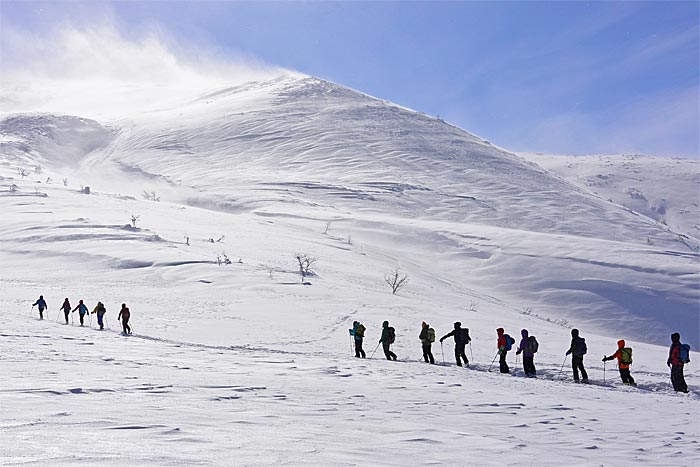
pixel 578 349
pixel 505 343
pixel 41 303
pixel 124 315
pixel 82 310
pixel 528 347
pixel 388 338
pixel 358 332
pixel 624 360
pixel 461 337
pixel 427 337
pixel 66 308
pixel 100 310
pixel 678 356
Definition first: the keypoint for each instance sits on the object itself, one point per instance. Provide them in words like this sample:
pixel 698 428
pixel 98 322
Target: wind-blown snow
pixel 241 364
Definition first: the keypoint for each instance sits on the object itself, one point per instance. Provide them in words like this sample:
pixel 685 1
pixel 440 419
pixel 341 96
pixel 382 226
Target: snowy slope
pixel 241 364
pixel 663 189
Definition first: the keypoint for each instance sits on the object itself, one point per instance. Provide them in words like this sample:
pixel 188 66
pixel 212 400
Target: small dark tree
pixel 396 280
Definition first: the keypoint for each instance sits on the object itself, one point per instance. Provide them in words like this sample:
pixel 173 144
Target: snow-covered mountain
pixel 261 171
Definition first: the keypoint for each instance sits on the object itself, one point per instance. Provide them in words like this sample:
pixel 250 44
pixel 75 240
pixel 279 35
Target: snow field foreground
pixel 229 366
pixel 74 395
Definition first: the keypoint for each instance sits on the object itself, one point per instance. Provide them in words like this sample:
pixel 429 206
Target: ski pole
pixel 31 311
pixel 350 344
pixel 604 362
pixel 516 364
pixel 494 359
pixel 443 353
pixel 471 354
pixel 562 365
pixel 375 349
pixel 90 317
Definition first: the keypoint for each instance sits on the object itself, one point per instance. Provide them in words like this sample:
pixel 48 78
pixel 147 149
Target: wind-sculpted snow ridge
pixel 46 139
pixel 309 140
pixel 639 183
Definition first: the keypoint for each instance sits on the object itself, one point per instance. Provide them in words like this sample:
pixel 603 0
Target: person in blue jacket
pixel 82 311
pixel 41 303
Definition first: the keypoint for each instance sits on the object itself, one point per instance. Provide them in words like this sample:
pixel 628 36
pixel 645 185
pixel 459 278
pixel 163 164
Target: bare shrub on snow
pixel 306 264
pixel 134 219
pixel 65 181
pixel 396 280
pixel 150 196
pixel 22 172
pixel 328 226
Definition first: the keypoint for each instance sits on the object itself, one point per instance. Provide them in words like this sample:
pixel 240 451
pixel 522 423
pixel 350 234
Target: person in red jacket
pixel 624 367
pixel 502 346
pixel 124 315
pixel 676 364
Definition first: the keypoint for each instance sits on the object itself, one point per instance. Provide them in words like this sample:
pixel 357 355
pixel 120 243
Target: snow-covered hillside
pixel 242 364
pixel 666 190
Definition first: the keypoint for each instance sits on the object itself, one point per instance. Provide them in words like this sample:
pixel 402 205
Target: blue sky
pixel 573 78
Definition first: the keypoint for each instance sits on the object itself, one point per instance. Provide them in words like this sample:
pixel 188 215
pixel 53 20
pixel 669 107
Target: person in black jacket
pixel 387 338
pixel 461 336
pixel 577 349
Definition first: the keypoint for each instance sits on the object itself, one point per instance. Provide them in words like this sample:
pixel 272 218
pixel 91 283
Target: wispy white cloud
pixel 86 68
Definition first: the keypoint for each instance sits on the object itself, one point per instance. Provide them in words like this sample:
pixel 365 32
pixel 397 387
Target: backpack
pixel 532 345
pixel 509 342
pixel 391 334
pixel 580 347
pixel 360 331
pixel 465 336
pixel 627 356
pixel 684 353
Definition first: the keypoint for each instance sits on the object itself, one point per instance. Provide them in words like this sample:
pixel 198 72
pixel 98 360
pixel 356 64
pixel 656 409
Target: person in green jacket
pixel 427 337
pixel 388 337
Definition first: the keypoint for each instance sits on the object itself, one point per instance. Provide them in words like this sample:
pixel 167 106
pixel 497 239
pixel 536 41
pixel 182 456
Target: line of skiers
pixel 82 309
pixel 679 354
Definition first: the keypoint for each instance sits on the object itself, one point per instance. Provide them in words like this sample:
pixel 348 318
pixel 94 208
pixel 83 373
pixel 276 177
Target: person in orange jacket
pixel 622 365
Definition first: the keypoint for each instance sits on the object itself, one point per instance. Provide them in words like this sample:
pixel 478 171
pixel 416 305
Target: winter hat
pixel 675 337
